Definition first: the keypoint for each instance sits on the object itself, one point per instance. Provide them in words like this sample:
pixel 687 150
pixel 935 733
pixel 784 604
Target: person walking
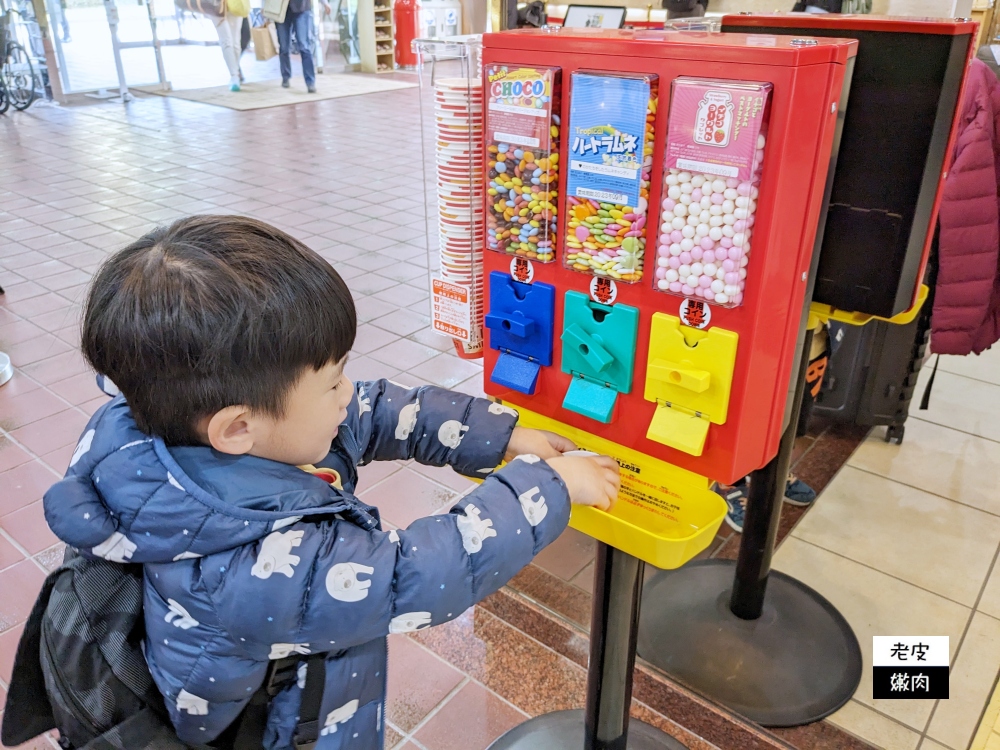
pixel 229 28
pixel 298 19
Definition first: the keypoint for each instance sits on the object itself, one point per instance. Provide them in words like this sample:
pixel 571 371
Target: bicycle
pixel 17 74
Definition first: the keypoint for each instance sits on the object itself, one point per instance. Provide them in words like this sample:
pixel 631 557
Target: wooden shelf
pixel 375 18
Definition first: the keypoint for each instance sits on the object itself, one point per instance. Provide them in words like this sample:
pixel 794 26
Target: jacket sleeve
pixel 432 425
pixel 311 588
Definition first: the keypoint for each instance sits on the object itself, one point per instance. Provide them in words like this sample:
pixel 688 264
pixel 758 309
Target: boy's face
pixel 315 408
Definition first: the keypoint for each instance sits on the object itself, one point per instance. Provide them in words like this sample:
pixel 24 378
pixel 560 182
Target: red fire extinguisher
pixel 407 13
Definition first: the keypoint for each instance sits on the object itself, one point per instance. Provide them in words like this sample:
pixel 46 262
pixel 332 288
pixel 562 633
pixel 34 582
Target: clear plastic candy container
pixel 716 136
pixel 522 161
pixel 611 159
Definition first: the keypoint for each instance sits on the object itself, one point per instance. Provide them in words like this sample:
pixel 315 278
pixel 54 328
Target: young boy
pixel 227 339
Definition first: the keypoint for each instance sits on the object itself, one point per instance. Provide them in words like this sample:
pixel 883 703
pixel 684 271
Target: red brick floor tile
pixel 375 472
pixel 43 303
pixel 18 331
pixel 29 407
pixel 23 485
pixel 9 554
pixel 51 558
pixel 58 319
pixel 59 367
pixel 28 528
pixel 77 389
pixel 46 268
pixel 445 475
pixel 406 496
pixel 11 455
pixel 8 644
pixel 16 386
pixel 22 291
pixel 470 720
pixel 51 433
pixel 89 407
pixel 418 681
pixel 567 555
pixel 41 347
pixel 20 584
pixel 392 737
pixel 59 459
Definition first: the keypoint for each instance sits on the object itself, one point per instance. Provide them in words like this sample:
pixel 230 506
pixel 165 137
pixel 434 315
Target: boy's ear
pixel 230 430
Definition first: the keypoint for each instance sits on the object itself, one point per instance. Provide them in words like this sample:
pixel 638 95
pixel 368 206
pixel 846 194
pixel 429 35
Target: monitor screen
pixel 594 17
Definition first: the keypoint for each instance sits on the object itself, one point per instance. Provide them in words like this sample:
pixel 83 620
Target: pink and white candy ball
pixel 705 229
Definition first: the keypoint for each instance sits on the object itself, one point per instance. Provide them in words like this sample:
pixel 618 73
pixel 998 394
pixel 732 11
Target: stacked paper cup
pixel 458 115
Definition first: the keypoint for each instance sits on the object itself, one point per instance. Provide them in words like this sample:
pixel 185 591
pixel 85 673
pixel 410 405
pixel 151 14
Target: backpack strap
pixel 247 731
pixel 307 732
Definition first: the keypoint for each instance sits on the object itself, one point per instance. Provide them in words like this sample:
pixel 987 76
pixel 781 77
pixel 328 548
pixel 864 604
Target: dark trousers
pixel 302 24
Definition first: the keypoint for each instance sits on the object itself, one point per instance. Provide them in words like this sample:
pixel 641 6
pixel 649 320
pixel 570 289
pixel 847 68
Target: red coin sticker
pixel 603 290
pixel 522 270
pixel 695 313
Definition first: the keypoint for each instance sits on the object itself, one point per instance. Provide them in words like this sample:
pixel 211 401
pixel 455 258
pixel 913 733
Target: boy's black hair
pixel 210 312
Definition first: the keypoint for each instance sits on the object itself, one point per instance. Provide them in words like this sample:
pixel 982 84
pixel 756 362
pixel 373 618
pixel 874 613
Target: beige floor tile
pixel 940 460
pixel 973 674
pixel 931 542
pixel 984 367
pixel 874 728
pixel 962 403
pixel 989 603
pixel 929 744
pixel 874 604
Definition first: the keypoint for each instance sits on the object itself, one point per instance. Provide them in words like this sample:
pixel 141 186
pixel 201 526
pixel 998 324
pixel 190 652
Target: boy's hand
pixel 542 443
pixel 591 480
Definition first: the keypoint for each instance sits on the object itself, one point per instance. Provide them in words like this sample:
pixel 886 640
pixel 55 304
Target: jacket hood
pixel 127 497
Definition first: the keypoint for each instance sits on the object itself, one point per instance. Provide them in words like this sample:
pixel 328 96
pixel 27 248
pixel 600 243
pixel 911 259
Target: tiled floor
pixel 926 564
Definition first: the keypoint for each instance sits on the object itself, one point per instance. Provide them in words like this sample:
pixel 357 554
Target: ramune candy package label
pixel 714 126
pixel 607 126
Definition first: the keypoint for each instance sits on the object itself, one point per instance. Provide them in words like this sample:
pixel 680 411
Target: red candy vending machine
pixel 651 210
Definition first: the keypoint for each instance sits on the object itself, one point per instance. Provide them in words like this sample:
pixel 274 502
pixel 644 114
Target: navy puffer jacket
pixel 248 560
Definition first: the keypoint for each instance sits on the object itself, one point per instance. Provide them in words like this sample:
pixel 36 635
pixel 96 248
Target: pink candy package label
pixel 713 126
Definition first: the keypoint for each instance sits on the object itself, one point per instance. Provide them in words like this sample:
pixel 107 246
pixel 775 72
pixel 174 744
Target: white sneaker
pixel 234 83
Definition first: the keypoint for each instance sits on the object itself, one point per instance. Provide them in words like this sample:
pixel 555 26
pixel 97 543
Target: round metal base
pixel 799 662
pixel 563 730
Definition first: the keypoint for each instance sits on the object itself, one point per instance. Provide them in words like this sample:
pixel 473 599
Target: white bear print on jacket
pixel 276 554
pixel 474 530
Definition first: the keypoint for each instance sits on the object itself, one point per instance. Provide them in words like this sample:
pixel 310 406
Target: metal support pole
pixel 605 723
pixel 614 625
pixel 763 512
pixel 157 48
pixel 112 11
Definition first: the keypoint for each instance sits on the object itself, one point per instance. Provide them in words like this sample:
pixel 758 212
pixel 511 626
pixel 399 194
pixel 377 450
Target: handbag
pixel 240 8
pixel 275 10
pixel 216 8
pixel 263 41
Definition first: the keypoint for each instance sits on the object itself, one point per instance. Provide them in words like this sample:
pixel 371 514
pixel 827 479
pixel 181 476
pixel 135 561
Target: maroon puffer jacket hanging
pixel 967 298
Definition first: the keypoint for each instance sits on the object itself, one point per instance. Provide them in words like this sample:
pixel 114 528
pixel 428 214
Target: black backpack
pixel 79 668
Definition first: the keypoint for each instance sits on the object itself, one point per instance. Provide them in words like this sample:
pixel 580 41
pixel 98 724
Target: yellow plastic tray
pixel 825 312
pixel 665 515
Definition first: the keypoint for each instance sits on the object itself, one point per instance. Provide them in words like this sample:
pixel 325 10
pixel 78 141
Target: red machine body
pixel 807 82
